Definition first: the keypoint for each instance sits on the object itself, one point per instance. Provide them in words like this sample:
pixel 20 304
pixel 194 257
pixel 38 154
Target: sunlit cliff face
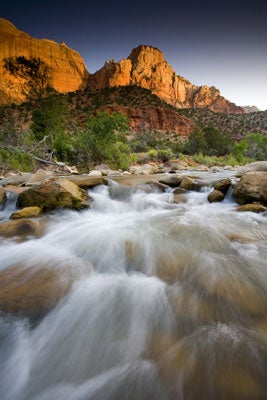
pixel 147 67
pixel 66 66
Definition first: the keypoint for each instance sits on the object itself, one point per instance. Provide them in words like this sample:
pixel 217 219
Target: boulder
pixel 215 196
pixel 52 194
pixel 86 181
pixel 189 184
pixel 172 180
pixel 39 176
pixel 21 228
pixel 223 185
pixel 253 207
pixel 145 169
pixel 27 212
pixel 251 187
pixel 257 166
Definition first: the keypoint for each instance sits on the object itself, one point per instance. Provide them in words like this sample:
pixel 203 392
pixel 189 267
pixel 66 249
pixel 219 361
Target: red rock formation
pixel 154 118
pixel 67 67
pixel 147 67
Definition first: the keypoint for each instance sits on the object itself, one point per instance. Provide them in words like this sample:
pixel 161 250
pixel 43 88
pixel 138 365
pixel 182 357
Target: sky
pixel 214 43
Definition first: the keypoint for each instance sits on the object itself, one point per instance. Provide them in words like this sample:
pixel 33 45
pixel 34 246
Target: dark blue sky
pixel 215 43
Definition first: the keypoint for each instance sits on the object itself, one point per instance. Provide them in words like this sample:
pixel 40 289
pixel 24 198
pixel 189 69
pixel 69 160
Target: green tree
pixel 256 146
pixel 196 143
pixel 98 142
pixel 49 126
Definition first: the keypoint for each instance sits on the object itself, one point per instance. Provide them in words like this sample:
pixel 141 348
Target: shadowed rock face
pixel 147 67
pixel 67 67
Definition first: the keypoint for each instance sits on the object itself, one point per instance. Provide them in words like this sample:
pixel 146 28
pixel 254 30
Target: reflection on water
pixel 137 298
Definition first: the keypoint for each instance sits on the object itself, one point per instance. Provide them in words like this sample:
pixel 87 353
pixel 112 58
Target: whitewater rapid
pixel 163 300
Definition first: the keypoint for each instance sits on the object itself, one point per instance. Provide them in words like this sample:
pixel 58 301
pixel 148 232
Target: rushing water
pixel 151 300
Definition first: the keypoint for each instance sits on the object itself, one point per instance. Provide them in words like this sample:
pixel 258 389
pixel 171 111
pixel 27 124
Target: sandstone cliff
pixel 67 67
pixel 147 67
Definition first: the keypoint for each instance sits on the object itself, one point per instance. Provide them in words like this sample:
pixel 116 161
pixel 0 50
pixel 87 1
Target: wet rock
pixel 27 212
pixel 171 180
pixel 31 291
pixel 52 194
pixel 237 383
pixel 86 181
pixel 215 196
pixel 189 184
pixel 179 198
pixel 21 228
pixel 2 197
pixel 251 187
pixel 223 186
pixel 152 187
pixel 253 207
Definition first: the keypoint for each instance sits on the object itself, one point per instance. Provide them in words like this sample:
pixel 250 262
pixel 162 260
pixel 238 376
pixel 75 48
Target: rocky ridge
pixel 146 67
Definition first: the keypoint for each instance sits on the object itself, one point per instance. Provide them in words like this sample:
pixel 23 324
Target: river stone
pixel 251 187
pixel 253 207
pixel 31 291
pixel 189 184
pixel 21 228
pixel 52 194
pixel 179 198
pixel 27 212
pixel 223 185
pixel 171 180
pixel 215 196
pixel 86 181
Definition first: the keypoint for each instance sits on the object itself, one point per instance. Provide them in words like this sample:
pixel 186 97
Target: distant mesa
pixel 145 67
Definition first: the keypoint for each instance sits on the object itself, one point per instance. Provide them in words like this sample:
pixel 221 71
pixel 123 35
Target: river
pixel 161 301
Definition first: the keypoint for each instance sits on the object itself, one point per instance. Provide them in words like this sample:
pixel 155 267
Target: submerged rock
pixel 31 291
pixel 21 228
pixel 54 193
pixel 253 207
